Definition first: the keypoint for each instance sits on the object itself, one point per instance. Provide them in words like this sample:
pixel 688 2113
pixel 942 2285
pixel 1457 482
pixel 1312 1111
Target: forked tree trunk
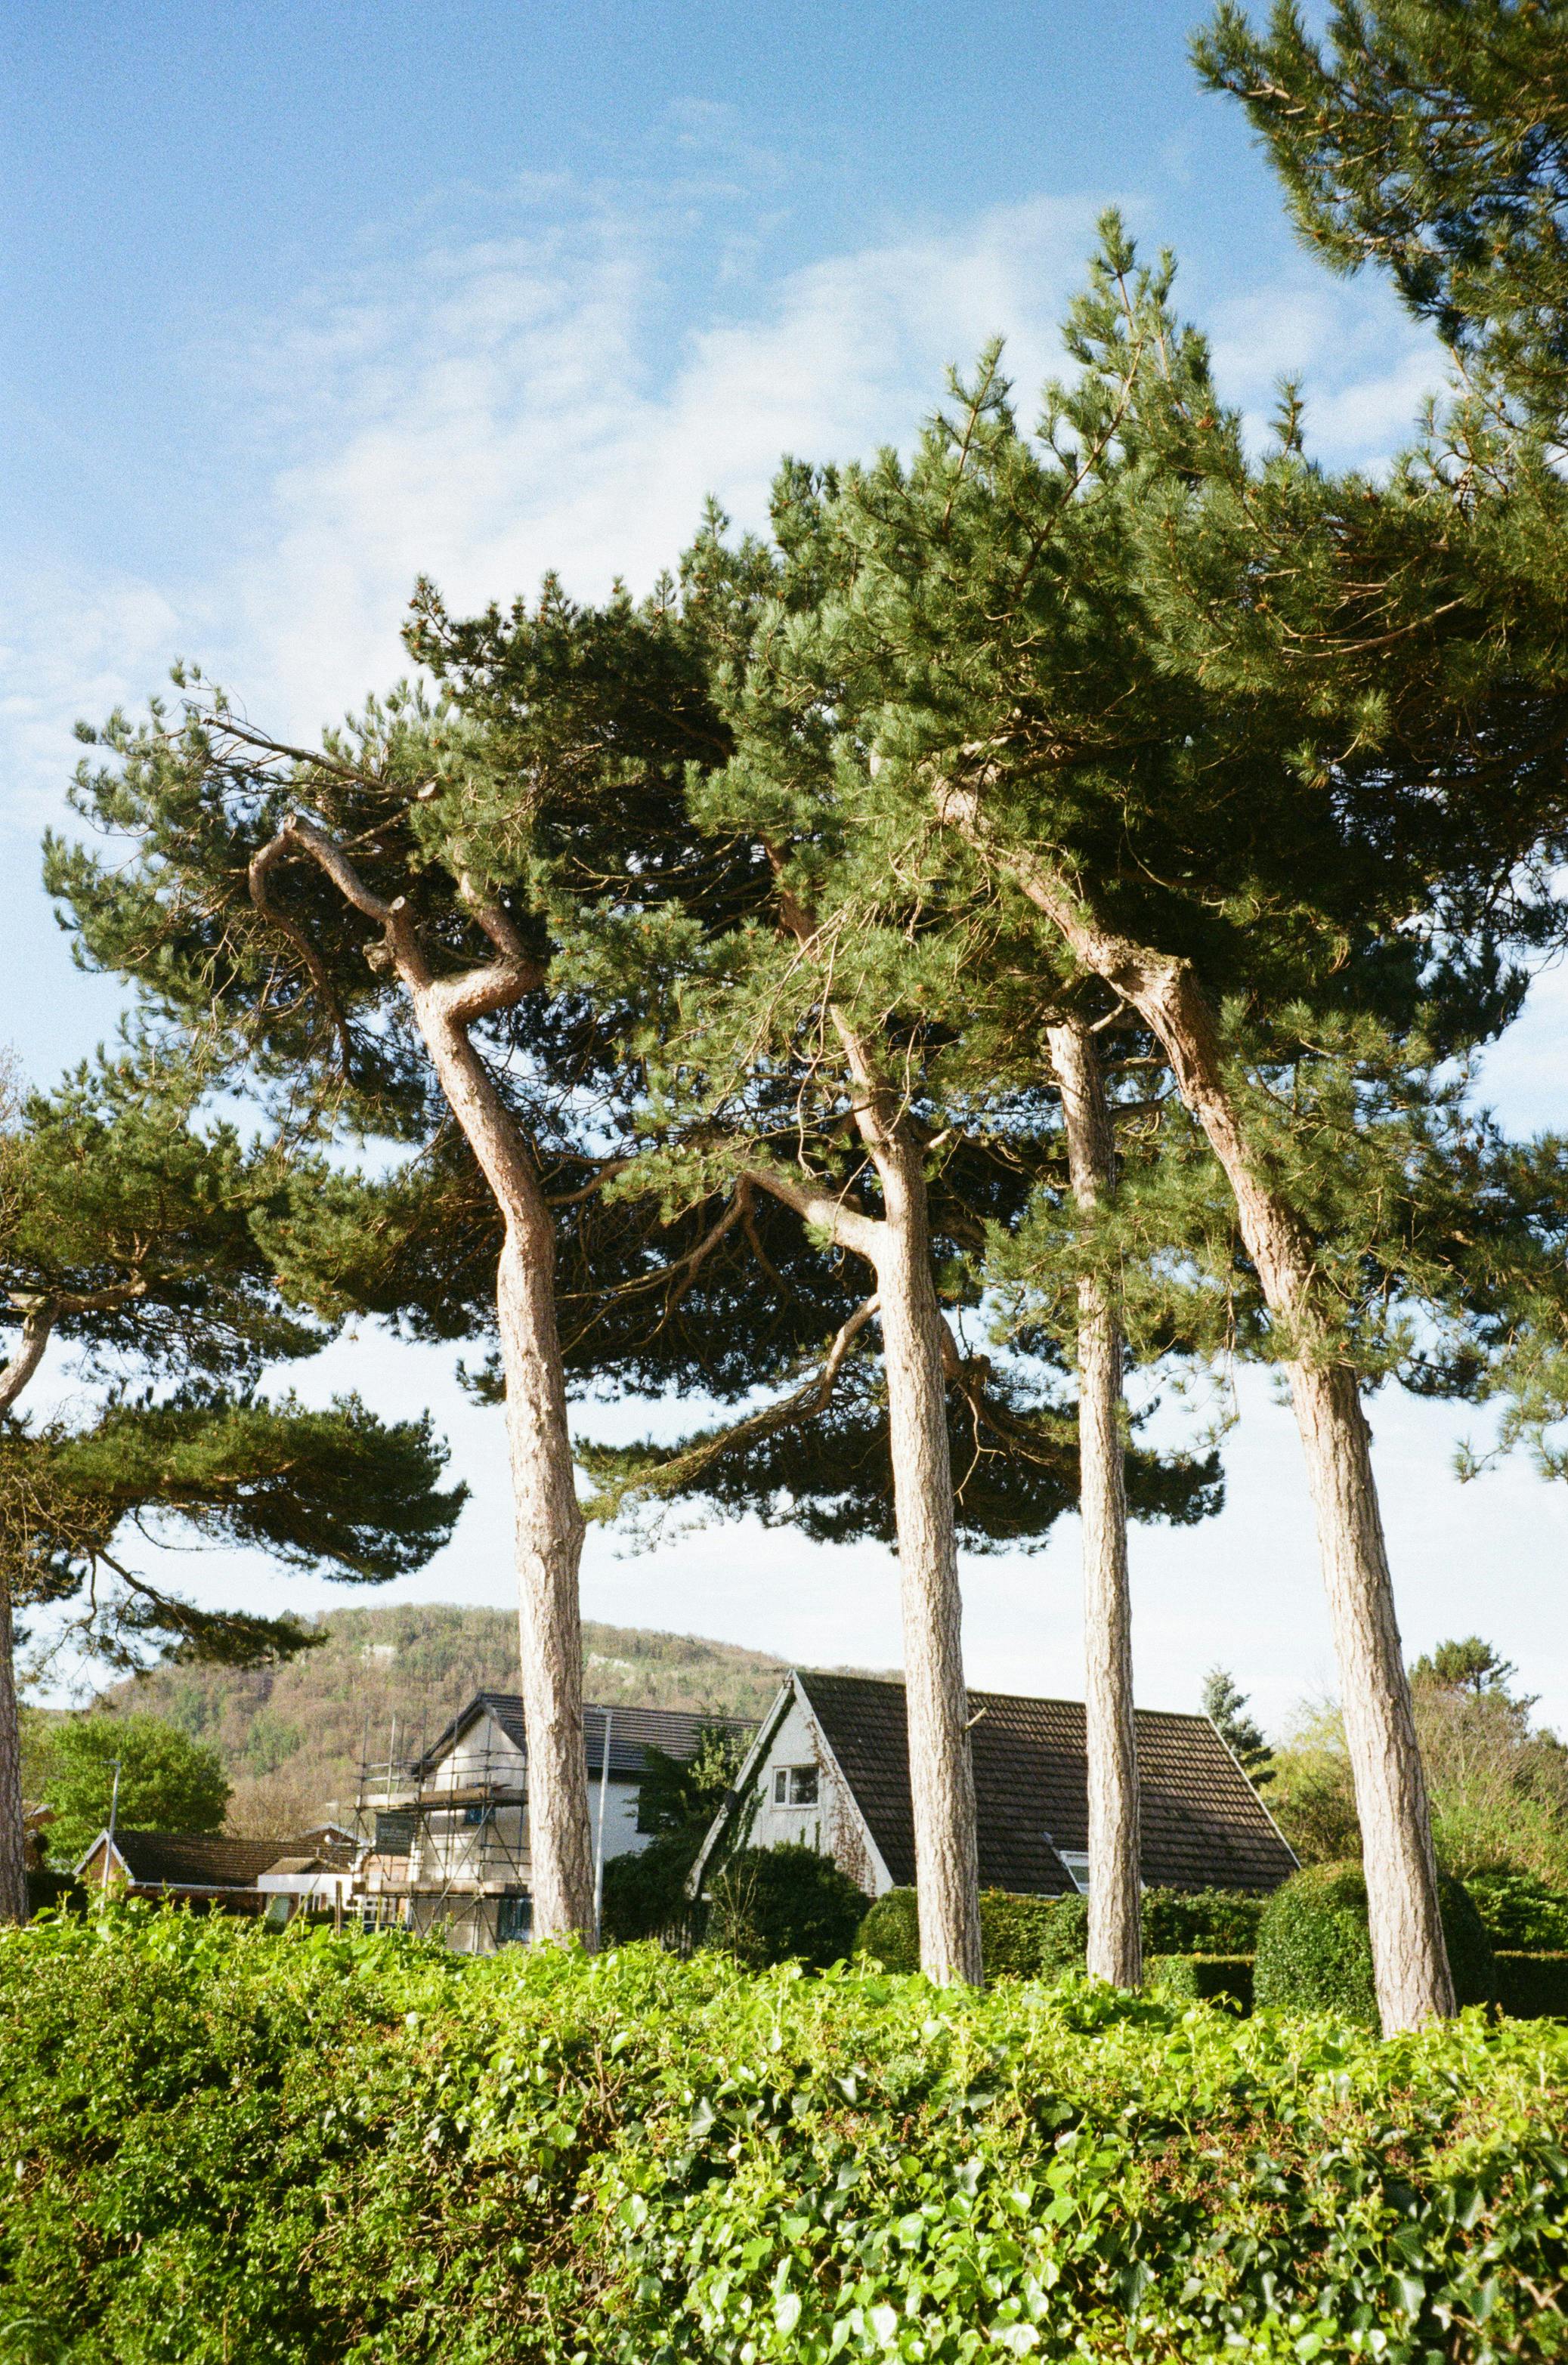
pixel 1409 1958
pixel 548 1524
pixel 941 1773
pixel 1115 1943
pixel 547 1520
pixel 897 1248
pixel 13 1838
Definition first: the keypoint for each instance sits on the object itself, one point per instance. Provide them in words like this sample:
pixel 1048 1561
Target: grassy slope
pixel 291 1736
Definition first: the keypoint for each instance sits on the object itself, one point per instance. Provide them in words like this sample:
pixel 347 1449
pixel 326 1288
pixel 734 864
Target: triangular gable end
pixel 880 1872
pixel 792 1689
pixel 770 1723
pixel 103 1840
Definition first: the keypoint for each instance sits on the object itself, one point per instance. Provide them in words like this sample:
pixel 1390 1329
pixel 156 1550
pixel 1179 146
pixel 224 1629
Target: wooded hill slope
pixel 291 1737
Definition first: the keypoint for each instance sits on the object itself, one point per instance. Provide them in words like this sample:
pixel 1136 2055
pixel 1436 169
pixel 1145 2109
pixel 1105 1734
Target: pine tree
pixel 1429 138
pixel 130 1231
pixel 800 1050
pixel 1226 1707
pixel 1148 686
pixel 368 928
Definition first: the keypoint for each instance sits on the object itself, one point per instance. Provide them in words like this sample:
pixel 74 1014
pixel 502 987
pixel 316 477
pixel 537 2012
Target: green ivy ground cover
pixel 223 2145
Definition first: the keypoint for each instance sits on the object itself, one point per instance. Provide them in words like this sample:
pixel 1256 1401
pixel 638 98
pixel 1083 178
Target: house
pixel 830 1767
pixel 308 1883
pixel 447 1832
pixel 202 1868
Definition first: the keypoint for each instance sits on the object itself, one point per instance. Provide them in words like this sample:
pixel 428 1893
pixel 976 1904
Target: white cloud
pixel 507 416
pixel 1366 364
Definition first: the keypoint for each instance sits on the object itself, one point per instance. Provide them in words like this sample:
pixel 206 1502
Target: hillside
pixel 292 1736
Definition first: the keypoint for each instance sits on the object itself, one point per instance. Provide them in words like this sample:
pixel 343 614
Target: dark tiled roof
pixel 1204 1826
pixel 197 1859
pixel 631 1730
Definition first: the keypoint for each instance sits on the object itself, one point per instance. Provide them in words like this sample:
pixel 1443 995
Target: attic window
pixel 1077 1863
pixel 795 1786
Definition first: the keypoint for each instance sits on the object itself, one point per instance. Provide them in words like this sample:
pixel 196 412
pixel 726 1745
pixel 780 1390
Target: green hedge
pixel 645 1890
pixel 48 1891
pixel 1533 1986
pixel 1314 1954
pixel 784 1904
pixel 365 2151
pixel 1021 1937
pixel 1201 1921
pixel 1200 1979
pixel 1521 1913
pixel 1041 1937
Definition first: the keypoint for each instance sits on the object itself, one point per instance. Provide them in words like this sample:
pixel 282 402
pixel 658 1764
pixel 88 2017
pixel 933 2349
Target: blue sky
pixel 305 301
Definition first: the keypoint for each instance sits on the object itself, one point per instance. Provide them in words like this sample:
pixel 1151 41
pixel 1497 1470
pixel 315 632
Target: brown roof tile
pixel 1203 1825
pixel 197 1859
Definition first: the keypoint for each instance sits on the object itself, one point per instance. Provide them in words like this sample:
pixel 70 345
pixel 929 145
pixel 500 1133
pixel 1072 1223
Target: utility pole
pixel 109 1842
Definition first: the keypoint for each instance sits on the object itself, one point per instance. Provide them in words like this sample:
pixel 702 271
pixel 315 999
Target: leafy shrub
pixel 1021 1937
pixel 1031 1937
pixel 308 2150
pixel 1314 1954
pixel 784 1904
pixel 889 1934
pixel 1200 1979
pixel 1533 1986
pixel 644 1892
pixel 1200 1922
pixel 1521 1912
pixel 48 1890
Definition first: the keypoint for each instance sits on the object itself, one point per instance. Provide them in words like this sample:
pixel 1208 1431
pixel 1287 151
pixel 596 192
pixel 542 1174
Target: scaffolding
pixel 443 1842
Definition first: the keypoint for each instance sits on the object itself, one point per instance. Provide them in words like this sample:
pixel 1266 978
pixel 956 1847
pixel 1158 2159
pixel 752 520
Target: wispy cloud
pixel 513 411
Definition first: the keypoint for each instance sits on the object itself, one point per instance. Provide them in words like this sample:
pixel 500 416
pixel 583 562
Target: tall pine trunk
pixel 898 1248
pixel 548 1528
pixel 1409 1958
pixel 941 1773
pixel 1115 1943
pixel 548 1523
pixel 13 1837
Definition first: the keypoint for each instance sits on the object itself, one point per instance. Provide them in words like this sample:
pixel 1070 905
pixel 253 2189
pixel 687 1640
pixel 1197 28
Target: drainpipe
pixel 599 1852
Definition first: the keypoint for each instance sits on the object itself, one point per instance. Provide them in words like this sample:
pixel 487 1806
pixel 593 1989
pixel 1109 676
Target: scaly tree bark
pixel 1408 1953
pixel 1116 1940
pixel 548 1524
pixel 13 1837
pixel 898 1248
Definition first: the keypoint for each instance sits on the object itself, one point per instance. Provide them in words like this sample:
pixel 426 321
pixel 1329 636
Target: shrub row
pixel 1202 1978
pixel 301 2150
pixel 1041 1937
pixel 1533 1986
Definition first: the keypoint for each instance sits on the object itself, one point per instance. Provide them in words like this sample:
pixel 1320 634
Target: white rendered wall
pixel 497 1850
pixel 835 1826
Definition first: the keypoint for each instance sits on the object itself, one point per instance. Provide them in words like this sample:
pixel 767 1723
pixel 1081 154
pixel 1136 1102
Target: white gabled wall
pixel 835 1826
pixel 455 1851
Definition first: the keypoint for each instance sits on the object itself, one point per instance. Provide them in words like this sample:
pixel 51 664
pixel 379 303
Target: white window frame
pixel 789 1779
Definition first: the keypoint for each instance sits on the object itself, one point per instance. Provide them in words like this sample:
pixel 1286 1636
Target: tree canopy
pixel 168 1782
